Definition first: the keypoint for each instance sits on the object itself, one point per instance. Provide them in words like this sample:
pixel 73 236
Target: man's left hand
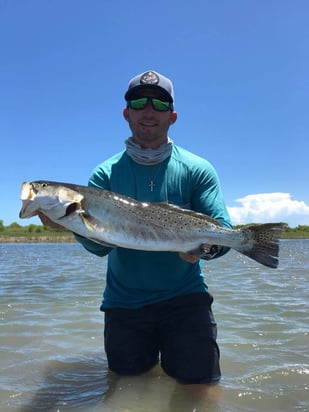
pixel 205 252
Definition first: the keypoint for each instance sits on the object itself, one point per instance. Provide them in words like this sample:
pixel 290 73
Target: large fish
pixel 112 219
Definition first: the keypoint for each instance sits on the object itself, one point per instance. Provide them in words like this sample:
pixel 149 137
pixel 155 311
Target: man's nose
pixel 148 107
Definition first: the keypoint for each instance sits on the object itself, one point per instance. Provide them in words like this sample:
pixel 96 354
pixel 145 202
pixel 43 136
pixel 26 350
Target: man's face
pixel 149 127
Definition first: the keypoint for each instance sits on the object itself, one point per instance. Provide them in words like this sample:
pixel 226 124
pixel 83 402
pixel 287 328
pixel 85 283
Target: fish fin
pixel 187 212
pixel 264 243
pixel 91 224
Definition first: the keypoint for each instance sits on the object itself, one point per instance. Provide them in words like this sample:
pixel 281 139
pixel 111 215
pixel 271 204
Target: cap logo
pixel 149 78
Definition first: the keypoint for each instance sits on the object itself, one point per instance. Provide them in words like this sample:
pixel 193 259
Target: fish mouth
pixel 29 208
pixel 52 199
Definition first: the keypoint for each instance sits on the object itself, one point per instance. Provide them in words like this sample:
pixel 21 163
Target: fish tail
pixel 263 244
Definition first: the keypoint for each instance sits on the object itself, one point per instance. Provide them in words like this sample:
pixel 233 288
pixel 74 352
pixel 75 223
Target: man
pixel 156 304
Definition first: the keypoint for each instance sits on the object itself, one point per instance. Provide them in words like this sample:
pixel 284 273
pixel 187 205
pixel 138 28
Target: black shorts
pixel 180 332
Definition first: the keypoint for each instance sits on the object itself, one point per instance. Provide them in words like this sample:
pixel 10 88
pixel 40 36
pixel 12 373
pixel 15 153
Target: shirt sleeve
pixel 207 197
pixel 92 247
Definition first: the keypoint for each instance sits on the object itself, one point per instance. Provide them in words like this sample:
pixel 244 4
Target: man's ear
pixel 173 117
pixel 126 113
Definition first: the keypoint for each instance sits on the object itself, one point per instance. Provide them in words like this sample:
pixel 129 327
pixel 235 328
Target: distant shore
pixel 37 239
pixel 70 239
pixel 14 233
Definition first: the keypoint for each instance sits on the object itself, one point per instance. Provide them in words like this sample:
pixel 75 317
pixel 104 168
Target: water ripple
pixel 52 354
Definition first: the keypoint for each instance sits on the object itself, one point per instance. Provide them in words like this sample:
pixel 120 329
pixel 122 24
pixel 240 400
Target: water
pixel 51 348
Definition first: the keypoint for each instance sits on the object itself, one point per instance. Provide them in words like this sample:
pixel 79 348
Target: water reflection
pixel 70 383
pixel 86 384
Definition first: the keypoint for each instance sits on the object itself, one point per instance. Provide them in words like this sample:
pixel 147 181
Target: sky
pixel 240 70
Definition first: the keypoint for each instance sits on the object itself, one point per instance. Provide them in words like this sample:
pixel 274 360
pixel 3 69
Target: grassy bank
pixel 39 233
pixel 15 233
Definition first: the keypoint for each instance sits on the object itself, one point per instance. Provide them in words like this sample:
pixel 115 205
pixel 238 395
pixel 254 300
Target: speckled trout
pixel 116 220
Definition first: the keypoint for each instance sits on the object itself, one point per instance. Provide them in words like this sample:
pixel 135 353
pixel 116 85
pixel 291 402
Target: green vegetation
pixel 39 233
pixel 33 233
pixel 298 232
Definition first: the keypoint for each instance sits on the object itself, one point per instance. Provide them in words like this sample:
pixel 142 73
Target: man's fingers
pixel 47 222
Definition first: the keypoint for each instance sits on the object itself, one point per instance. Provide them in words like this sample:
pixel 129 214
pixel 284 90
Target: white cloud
pixel 270 207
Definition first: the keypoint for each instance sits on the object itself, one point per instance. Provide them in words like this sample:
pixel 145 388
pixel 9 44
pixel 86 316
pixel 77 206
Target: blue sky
pixel 240 70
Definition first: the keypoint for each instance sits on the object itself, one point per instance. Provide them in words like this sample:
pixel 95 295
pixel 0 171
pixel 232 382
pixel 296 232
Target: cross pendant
pixel 151 185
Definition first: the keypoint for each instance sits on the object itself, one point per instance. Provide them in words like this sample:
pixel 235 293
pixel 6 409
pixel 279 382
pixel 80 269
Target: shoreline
pixel 37 239
pixel 70 239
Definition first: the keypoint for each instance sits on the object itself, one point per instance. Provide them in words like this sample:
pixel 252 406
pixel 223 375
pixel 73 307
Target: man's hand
pixel 189 258
pixel 47 222
pixel 205 252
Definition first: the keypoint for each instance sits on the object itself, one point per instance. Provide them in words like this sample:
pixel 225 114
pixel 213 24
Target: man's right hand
pixel 47 222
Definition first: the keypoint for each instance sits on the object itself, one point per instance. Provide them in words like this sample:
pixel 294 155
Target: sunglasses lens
pixel 138 104
pixel 159 105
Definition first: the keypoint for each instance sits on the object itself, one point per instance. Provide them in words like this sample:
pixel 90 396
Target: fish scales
pixel 152 224
pixel 109 218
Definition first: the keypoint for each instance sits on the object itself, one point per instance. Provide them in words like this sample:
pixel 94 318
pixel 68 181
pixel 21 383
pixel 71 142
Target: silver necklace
pixel 152 184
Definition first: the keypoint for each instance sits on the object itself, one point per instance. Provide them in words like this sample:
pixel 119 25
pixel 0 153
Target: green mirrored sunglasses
pixel 157 104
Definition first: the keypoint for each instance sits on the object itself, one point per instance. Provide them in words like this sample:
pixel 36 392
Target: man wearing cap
pixel 157 306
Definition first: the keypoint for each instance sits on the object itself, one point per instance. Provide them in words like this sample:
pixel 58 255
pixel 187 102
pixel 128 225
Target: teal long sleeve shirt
pixel 137 278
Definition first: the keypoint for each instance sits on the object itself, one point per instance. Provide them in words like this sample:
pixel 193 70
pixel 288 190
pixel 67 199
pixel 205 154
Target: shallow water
pixel 51 347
